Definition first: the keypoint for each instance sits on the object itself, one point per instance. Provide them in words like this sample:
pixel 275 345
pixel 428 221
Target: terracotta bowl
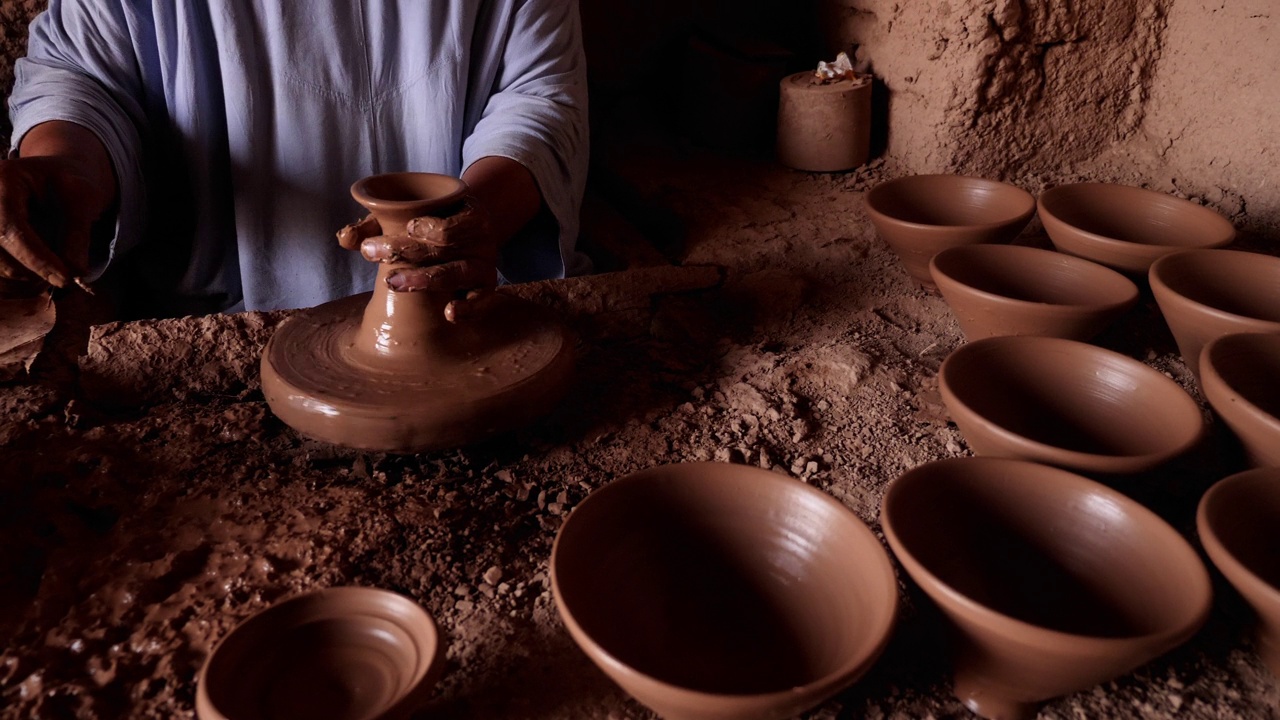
pixel 1240 375
pixel 345 652
pixel 717 591
pixel 1205 294
pixel 921 215
pixel 1067 403
pixel 1051 583
pixel 1239 525
pixel 1127 228
pixel 1011 290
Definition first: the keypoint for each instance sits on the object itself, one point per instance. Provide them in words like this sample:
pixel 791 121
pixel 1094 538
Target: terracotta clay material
pixel 1239 525
pixel 1240 376
pixel 919 216
pixel 1127 228
pixel 386 371
pixel 1205 294
pixel 1052 583
pixel 718 591
pixel 1067 403
pixel 1012 290
pixel 824 127
pixel 342 653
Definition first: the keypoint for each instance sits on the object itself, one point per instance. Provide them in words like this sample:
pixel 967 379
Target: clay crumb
pixel 493 575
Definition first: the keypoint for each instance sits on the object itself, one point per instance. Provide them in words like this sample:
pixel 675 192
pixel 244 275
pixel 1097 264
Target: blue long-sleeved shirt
pixel 236 127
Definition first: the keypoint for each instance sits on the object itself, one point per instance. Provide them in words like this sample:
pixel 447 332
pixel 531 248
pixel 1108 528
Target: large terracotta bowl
pixel 345 653
pixel 717 591
pixel 919 216
pixel 1012 290
pixel 1239 525
pixel 1051 583
pixel 1067 403
pixel 1205 294
pixel 1127 228
pixel 1240 375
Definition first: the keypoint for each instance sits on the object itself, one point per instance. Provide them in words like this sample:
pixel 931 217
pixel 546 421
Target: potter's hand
pixel 50 193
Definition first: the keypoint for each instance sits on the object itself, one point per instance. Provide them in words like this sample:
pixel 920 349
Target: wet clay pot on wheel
pixel 1127 228
pixel 1239 525
pixel 1240 376
pixel 1012 290
pixel 919 216
pixel 1051 583
pixel 1205 294
pixel 1067 403
pixel 717 591
pixel 346 653
pixel 385 370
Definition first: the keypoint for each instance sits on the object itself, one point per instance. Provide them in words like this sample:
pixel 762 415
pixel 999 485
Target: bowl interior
pixel 1033 275
pixel 337 653
pixel 1136 215
pixel 1243 513
pixel 1249 364
pixel 1046 547
pixel 724 579
pixel 1073 396
pixel 950 200
pixel 1230 281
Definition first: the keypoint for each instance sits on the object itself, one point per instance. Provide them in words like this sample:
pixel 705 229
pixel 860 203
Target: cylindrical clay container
pixel 823 127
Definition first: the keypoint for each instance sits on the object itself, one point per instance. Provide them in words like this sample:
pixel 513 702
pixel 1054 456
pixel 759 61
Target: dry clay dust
pixel 136 538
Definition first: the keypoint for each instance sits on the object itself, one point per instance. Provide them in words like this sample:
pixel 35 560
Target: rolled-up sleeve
pixel 81 67
pixel 537 116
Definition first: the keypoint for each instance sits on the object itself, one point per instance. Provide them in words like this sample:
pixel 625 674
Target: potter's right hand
pixel 50 193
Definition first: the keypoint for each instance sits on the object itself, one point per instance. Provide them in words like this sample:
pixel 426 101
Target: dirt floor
pixel 134 538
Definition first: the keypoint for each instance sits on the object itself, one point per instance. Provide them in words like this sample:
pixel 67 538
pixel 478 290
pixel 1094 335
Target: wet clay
pixel 1127 228
pixel 1052 583
pixel 347 653
pixel 824 127
pixel 1238 374
pixel 919 216
pixel 711 590
pixel 386 371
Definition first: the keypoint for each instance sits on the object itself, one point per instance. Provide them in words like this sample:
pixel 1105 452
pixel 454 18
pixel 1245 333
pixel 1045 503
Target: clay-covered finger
pixel 400 248
pixel 351 236
pixel 24 246
pixel 448 277
pixel 474 304
pixel 468 226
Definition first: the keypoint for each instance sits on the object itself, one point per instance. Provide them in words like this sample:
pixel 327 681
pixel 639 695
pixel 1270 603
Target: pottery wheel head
pixel 504 369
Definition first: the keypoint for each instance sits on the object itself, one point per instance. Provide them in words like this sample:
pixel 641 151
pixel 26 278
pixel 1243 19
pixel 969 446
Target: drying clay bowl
pixel 1067 403
pixel 1240 375
pixel 1205 294
pixel 1239 525
pixel 1125 227
pixel 921 215
pixel 1012 290
pixel 1051 583
pixel 717 591
pixel 341 653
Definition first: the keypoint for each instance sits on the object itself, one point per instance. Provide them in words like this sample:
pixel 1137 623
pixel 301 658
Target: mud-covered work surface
pixel 136 536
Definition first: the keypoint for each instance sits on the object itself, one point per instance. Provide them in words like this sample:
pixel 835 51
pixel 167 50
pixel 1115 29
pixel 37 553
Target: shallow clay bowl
pixel 921 215
pixel 1011 290
pixel 1051 583
pixel 1205 294
pixel 1240 375
pixel 337 653
pixel 1127 228
pixel 1067 403
pixel 717 591
pixel 1239 525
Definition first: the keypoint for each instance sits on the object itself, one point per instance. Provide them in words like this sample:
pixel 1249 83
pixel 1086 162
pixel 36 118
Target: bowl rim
pixel 1117 279
pixel 1158 285
pixel 1008 625
pixel 1211 377
pixel 1085 461
pixel 845 674
pixel 1213 545
pixel 360 191
pixel 878 216
pixel 1048 196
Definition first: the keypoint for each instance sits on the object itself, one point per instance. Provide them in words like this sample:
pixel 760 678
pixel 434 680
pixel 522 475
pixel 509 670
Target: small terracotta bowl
pixel 1239 525
pixel 1240 375
pixel 1012 290
pixel 919 216
pixel 716 591
pixel 1051 583
pixel 1205 294
pixel 1067 403
pixel 1127 228
pixel 346 652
